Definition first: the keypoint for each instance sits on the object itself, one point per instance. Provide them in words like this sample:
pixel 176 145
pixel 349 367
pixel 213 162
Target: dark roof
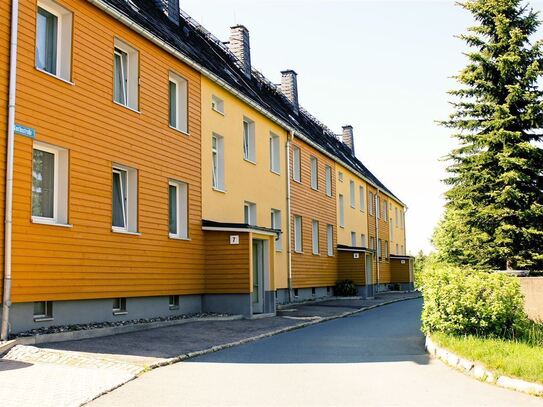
pixel 353 248
pixel 231 225
pixel 202 48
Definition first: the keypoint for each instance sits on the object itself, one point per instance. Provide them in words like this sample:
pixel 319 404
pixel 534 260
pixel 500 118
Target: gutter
pixel 290 137
pixel 379 248
pixel 210 75
pixel 6 298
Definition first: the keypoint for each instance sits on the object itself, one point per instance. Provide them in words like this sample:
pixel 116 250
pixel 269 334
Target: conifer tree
pixel 494 210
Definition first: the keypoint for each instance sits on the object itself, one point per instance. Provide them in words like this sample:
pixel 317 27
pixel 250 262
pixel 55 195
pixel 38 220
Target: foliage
pixel 505 357
pixel 494 211
pixel 345 288
pixel 472 302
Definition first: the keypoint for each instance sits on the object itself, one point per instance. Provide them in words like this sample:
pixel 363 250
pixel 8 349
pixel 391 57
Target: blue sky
pixel 382 66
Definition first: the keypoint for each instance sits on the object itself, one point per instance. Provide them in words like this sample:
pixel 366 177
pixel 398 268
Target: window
pixel 54 39
pixel 402 251
pixel 328 174
pixel 397 249
pixel 119 306
pixel 340 176
pixel 298 234
pixel 296 164
pixel 125 73
pixel 351 194
pixel 125 195
pixel 379 247
pixel 330 239
pixel 178 107
pixel 370 203
pixel 276 224
pixel 353 239
pixel 315 236
pixel 49 184
pixel 174 302
pixel 385 210
pixel 314 173
pixel 249 213
pixel 341 211
pixel 217 161
pixel 43 310
pixel 372 243
pixel 363 240
pixel 178 197
pixel 386 249
pixel 378 206
pixel 275 161
pixel 391 228
pixel 217 104
pixel 249 152
pixel 362 194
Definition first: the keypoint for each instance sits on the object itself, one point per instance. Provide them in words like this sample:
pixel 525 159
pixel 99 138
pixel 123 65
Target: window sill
pixel 55 76
pixel 127 107
pixel 298 252
pixel 185 133
pixel 43 319
pixel 41 221
pixel 222 191
pixel 120 312
pixel 217 111
pixel 249 161
pixel 299 181
pixel 124 232
pixel 275 172
pixel 316 254
pixel 175 237
pixel 315 189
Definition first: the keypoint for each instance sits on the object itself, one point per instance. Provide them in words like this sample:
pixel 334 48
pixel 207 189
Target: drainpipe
pixel 290 137
pixel 4 330
pixel 377 218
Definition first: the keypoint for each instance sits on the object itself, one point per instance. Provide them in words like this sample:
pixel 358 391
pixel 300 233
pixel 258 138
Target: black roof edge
pixel 233 225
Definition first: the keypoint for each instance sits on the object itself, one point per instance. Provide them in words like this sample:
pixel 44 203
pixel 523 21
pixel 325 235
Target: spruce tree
pixel 494 210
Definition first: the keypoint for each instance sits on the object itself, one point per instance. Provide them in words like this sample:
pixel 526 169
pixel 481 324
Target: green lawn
pixel 509 358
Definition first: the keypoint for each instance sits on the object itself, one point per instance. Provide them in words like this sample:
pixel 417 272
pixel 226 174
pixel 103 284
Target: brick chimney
pixel 170 8
pixel 348 137
pixel 240 47
pixel 289 86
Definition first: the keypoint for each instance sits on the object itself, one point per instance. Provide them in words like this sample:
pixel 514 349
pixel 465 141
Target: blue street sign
pixel 25 131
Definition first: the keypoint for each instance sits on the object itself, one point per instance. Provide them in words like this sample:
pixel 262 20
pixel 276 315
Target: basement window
pixel 119 306
pixel 296 292
pixel 43 311
pixel 174 302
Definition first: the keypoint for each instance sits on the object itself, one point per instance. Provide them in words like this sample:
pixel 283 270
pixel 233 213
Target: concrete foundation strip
pixel 480 372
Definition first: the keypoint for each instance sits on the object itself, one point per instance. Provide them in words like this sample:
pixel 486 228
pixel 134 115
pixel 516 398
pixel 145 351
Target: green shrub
pixel 345 288
pixel 464 302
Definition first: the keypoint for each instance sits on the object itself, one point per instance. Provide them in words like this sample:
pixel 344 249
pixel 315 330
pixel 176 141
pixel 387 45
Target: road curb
pixel 255 338
pixel 479 372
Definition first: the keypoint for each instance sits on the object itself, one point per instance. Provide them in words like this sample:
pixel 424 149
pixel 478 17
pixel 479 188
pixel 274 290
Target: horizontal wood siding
pixel 89 260
pixel 350 268
pixel 228 267
pixel 399 271
pixel 309 270
pixel 5 10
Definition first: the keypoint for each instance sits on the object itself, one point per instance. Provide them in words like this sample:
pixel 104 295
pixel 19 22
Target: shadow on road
pixel 6 365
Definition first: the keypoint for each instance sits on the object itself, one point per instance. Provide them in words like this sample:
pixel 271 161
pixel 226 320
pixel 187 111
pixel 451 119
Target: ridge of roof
pixel 199 45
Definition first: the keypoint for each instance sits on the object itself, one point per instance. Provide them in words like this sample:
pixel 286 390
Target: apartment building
pixel 157 173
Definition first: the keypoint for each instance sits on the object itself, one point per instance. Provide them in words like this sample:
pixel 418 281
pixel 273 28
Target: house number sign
pixel 234 239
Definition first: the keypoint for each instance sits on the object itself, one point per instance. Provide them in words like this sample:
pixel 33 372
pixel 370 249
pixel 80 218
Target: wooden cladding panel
pixel 88 260
pixel 399 271
pixel 350 268
pixel 309 270
pixel 228 267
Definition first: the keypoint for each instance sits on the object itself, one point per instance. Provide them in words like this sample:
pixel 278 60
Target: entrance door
pixel 258 276
pixel 369 275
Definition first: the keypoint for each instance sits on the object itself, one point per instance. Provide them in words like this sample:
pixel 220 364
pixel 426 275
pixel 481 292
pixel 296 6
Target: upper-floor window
pixel 386 249
pixel 379 247
pixel 217 161
pixel 362 194
pixel 178 106
pixel 330 239
pixel 314 173
pixel 276 224
pixel 125 75
pixel 385 210
pixel 351 194
pixel 49 184
pixel 275 148
pixel 353 239
pixel 54 39
pixel 397 249
pixel 298 247
pixel 328 175
pixel 341 211
pixel 372 243
pixel 378 206
pixel 296 164
pixel 249 148
pixel 396 217
pixel 217 104
pixel 249 213
pixel 370 203
pixel 363 240
pixel 315 236
pixel 178 209
pixel 340 176
pixel 125 199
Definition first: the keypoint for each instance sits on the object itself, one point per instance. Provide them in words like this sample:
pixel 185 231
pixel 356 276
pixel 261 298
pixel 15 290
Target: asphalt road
pixel 373 358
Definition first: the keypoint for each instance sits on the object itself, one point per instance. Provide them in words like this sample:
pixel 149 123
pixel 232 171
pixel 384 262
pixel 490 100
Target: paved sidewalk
pixel 71 373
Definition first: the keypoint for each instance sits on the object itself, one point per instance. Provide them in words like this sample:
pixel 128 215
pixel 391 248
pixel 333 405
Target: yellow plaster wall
pixel 244 181
pixel 397 231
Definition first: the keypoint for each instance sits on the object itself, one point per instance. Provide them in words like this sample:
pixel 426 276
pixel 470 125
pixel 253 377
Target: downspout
pixel 377 218
pixel 6 303
pixel 290 137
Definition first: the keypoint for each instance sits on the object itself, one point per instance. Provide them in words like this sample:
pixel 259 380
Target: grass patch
pixel 513 358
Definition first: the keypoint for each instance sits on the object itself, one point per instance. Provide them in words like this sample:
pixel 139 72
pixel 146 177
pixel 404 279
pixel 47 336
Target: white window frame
pixel 276 224
pixel 181 210
pixel 363 240
pixel 379 248
pixel 330 239
pixel 298 234
pixel 275 153
pixel 341 205
pixel 249 213
pixel 397 248
pixel 131 73
pixel 217 104
pixel 371 203
pixel 378 206
pixel 386 249
pixel 181 103
pixel 48 312
pixel 64 39
pixel 130 212
pixel 353 239
pixel 217 163
pixel 328 180
pixel 314 164
pixel 315 237
pixel 340 176
pixel 396 217
pixel 385 210
pixel 362 193
pixel 352 198
pixel 372 243
pixel 296 164
pixel 60 180
pixel 249 142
